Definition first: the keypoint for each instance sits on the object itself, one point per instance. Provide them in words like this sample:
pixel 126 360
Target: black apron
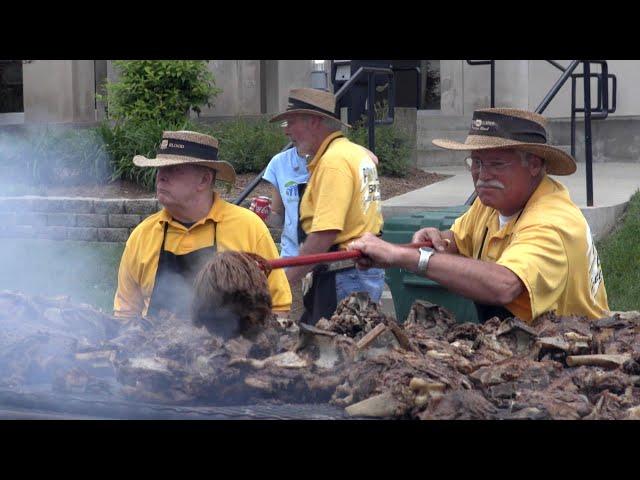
pixel 173 287
pixel 486 312
pixel 321 299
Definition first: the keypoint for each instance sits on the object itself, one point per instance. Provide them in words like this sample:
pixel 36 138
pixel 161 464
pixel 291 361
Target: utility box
pixel 407 287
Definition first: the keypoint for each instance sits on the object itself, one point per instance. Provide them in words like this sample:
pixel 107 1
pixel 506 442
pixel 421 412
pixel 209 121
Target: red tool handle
pixel 330 256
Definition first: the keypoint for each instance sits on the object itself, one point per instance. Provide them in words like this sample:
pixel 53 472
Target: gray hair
pixel 203 170
pixel 524 158
pixel 331 124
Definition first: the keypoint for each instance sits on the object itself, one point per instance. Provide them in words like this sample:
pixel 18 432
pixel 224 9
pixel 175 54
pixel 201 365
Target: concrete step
pixel 430 126
pixel 434 157
pixel 444 122
pixel 430 159
pixel 425 137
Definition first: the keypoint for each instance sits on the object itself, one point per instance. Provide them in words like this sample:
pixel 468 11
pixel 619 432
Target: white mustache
pixel 490 184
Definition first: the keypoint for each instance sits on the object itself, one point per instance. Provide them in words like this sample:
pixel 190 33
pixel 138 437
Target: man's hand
pixel 316 242
pixel 378 253
pixel 442 241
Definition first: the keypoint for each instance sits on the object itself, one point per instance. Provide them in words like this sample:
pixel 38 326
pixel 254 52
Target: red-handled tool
pixel 330 256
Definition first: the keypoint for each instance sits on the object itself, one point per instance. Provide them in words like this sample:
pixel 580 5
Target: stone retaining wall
pixel 62 218
pixel 83 219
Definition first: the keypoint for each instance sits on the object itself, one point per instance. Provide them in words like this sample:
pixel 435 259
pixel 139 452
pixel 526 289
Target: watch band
pixel 425 255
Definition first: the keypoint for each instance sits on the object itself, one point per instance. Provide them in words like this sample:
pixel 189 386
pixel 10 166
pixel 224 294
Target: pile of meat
pixel 557 368
pixel 430 367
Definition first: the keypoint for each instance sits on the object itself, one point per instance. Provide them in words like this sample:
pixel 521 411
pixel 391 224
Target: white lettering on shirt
pixel 369 184
pixel 595 270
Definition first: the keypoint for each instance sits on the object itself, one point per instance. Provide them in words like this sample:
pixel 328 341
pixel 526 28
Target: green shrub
pixel 48 155
pixel 248 144
pixel 391 146
pixel 123 141
pixel 160 90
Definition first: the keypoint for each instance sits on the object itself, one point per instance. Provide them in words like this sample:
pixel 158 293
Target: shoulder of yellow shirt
pixel 338 156
pixel 145 225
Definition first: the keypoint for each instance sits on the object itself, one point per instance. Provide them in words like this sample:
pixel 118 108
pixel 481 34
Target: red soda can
pixel 261 206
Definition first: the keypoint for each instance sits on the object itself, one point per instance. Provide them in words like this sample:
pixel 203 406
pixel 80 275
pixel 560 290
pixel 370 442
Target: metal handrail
pixel 254 183
pixel 557 86
pixel 601 112
pixel 557 65
pixel 493 76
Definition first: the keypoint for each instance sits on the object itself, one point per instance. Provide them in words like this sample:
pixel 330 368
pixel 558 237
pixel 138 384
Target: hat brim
pixel 557 162
pixel 284 115
pixel 224 170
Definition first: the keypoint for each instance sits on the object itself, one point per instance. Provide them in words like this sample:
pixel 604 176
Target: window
pixel 430 84
pixel 11 98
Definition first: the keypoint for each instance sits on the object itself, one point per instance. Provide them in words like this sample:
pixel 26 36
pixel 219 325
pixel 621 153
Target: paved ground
pixel 613 183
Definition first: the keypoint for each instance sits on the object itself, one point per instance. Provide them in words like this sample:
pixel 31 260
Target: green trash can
pixel 407 287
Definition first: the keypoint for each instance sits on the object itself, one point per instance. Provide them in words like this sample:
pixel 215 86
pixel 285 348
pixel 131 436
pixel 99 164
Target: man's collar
pixel 323 148
pixel 544 187
pixel 215 213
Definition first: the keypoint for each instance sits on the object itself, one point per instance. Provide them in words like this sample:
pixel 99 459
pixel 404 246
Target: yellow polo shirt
pixel 237 229
pixel 549 247
pixel 343 192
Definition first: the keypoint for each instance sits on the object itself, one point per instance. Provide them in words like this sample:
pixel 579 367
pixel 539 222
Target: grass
pixel 620 259
pixel 85 271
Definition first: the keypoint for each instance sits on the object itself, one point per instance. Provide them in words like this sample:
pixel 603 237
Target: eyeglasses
pixel 490 166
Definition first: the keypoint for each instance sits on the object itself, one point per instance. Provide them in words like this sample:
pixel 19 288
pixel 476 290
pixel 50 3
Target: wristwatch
pixel 425 255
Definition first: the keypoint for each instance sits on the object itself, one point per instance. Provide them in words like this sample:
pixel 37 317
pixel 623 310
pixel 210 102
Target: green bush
pixel 391 147
pixel 248 144
pixel 159 90
pixel 137 137
pixel 48 155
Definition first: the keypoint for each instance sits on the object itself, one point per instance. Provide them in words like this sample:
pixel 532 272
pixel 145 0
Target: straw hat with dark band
pixel 517 129
pixel 177 148
pixel 311 101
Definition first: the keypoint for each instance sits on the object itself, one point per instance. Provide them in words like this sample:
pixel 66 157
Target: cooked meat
pixel 427 368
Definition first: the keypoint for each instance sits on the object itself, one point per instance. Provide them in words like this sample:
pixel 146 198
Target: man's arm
pixel 316 242
pixel 276 216
pixel 484 282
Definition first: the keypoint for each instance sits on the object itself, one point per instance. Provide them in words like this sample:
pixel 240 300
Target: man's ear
pixel 314 120
pixel 536 164
pixel 208 178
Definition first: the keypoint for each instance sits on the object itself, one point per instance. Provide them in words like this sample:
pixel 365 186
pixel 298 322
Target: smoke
pixel 34 157
pixel 55 345
pixel 40 336
pixel 33 161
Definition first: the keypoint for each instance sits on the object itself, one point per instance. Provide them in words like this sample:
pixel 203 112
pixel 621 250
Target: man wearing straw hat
pixel 523 248
pixel 165 252
pixel 341 201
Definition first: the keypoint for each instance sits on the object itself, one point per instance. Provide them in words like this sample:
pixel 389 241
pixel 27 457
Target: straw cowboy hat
pixel 510 128
pixel 177 148
pixel 311 101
